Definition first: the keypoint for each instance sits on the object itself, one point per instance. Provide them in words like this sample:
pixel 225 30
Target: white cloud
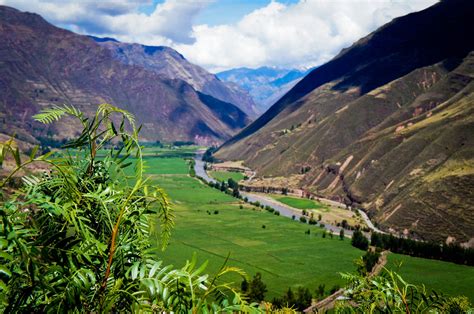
pixel 304 34
pixel 301 35
pixel 170 22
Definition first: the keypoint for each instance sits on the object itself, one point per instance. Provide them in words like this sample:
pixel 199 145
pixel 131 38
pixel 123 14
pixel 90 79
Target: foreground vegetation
pixel 78 237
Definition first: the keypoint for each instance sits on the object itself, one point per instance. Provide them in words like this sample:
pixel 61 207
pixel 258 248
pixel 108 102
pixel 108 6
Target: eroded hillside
pixel 386 125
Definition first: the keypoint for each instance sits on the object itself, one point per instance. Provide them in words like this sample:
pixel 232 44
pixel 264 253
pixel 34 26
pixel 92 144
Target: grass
pixel 448 278
pixel 281 252
pixel 226 175
pixel 301 203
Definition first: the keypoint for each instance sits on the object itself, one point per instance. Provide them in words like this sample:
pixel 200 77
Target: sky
pixel 224 34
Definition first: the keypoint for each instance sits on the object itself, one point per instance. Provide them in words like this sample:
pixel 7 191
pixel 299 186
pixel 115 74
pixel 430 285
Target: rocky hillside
pixel 386 125
pixel 266 85
pixel 42 65
pixel 171 64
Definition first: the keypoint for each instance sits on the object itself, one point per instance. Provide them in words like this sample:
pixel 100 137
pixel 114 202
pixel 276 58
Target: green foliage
pixel 256 288
pixel 78 237
pixel 446 252
pixel 390 293
pixel 359 240
pixel 367 262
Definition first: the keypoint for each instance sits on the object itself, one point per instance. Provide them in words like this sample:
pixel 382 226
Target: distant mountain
pixel 42 65
pixel 266 85
pixel 171 64
pixel 386 125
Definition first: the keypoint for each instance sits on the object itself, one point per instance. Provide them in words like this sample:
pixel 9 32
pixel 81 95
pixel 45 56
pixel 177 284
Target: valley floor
pixel 213 225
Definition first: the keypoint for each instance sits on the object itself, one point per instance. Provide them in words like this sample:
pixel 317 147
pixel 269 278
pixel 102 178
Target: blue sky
pixel 223 34
pixel 222 11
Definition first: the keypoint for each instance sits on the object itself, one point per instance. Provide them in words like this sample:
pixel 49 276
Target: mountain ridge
pixel 383 126
pixel 43 65
pixel 170 63
pixel 265 84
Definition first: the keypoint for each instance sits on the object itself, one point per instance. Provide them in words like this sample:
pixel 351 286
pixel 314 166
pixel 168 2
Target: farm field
pixel 301 203
pixel 226 175
pixel 212 225
pixel 329 214
pixel 450 278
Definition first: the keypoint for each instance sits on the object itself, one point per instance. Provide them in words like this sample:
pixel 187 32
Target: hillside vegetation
pixel 386 125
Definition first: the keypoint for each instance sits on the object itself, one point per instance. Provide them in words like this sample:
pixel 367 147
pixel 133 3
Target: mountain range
pixel 387 125
pixel 42 65
pixel 265 84
pixel 171 64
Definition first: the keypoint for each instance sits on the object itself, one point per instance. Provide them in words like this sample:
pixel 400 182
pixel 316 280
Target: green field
pixel 449 278
pixel 226 175
pixel 281 251
pixel 301 203
pixel 211 224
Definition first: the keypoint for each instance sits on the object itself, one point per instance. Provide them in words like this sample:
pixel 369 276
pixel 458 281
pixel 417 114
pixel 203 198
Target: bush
pixel 277 213
pixel 302 219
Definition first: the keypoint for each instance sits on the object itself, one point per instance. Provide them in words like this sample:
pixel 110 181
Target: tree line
pixel 445 252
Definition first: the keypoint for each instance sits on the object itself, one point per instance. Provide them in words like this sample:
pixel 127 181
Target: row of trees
pixel 450 252
pixel 255 289
pixel 446 252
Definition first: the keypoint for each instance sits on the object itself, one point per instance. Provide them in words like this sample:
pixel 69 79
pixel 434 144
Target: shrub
pixel 302 219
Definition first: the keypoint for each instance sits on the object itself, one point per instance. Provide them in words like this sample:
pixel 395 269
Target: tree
pixel 303 298
pixel 244 286
pixel 232 184
pixel 320 290
pixel 78 237
pixel 367 262
pixel 257 288
pixel 341 234
pixel 289 297
pixel 359 240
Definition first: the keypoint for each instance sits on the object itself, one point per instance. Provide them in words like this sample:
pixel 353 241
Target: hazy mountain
pixel 266 85
pixel 387 125
pixel 42 65
pixel 171 64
